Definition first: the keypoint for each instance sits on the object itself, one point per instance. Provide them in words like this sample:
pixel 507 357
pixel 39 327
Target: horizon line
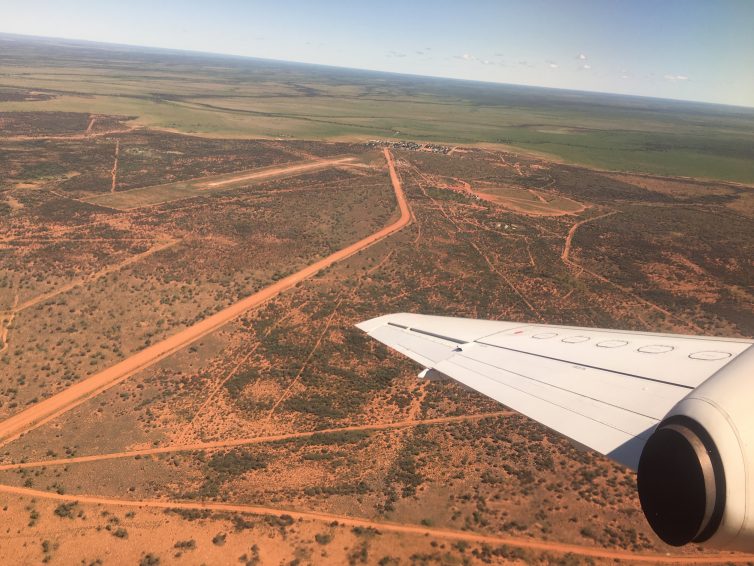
pixel 176 50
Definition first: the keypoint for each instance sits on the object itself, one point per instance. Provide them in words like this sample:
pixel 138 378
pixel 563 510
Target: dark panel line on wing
pixel 592 367
pixel 546 384
pixel 440 336
pixel 553 403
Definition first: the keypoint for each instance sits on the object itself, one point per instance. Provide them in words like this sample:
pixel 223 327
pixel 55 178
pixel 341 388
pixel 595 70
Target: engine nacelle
pixel 696 472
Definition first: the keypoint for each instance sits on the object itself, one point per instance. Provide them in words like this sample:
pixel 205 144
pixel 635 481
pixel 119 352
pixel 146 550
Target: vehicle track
pixel 565 256
pixel 93 277
pixel 569 238
pixel 220 444
pixel 507 280
pixel 6 321
pixel 68 399
pixel 89 126
pixel 52 407
pixel 205 413
pixel 314 349
pixel 385 526
pixel 114 172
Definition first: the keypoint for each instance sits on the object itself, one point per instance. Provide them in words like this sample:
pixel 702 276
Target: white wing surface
pixel 605 389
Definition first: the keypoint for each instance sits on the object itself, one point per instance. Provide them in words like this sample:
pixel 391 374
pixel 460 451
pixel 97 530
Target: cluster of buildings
pixel 413 146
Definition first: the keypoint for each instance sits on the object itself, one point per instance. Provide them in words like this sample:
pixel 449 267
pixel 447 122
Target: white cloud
pixel 586 66
pixel 676 77
pixel 553 65
pixel 624 76
pixel 582 57
pixel 474 59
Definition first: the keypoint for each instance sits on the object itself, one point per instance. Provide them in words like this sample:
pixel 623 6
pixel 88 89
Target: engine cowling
pixel 696 472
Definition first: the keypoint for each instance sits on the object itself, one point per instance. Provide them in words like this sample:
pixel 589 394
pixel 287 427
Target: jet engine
pixel 696 472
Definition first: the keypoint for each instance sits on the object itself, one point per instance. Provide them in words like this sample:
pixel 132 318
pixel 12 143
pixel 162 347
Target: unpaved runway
pixel 44 411
pixel 318 164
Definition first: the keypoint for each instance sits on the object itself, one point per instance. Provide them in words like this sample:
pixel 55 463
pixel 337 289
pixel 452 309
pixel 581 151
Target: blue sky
pixel 685 49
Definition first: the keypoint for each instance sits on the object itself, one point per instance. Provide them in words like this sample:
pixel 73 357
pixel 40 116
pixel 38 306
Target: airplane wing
pixel 605 389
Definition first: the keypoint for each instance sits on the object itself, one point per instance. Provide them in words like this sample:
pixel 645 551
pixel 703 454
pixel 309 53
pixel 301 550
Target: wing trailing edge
pixel 604 389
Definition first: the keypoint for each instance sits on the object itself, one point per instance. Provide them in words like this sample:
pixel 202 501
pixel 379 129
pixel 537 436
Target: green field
pixel 250 98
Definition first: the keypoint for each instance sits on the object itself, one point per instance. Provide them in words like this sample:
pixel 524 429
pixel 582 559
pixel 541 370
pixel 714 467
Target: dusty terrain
pixel 181 380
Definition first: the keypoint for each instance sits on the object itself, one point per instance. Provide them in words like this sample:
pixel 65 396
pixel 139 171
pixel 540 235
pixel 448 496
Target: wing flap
pixel 650 399
pixel 605 389
pixel 561 414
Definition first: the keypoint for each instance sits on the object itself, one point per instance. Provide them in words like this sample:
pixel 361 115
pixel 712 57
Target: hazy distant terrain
pixel 240 97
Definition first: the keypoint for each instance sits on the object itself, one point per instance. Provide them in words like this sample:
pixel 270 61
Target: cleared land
pixel 530 201
pixel 159 194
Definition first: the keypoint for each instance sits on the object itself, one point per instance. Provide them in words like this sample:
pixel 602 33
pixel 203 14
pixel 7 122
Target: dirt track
pixel 306 361
pixel 5 325
pixel 448 534
pixel 114 172
pixel 565 256
pixel 569 238
pixel 44 411
pixel 220 444
pixel 93 277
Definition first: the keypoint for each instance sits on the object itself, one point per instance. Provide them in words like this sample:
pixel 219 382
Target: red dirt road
pixel 572 232
pixel 44 411
pixel 448 534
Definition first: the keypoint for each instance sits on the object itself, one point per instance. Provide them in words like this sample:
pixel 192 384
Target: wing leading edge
pixel 605 389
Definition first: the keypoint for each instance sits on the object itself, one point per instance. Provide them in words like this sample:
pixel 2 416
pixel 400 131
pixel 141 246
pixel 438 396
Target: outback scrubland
pixel 286 435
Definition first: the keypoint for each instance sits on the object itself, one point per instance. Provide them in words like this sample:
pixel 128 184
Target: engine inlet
pixel 681 482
